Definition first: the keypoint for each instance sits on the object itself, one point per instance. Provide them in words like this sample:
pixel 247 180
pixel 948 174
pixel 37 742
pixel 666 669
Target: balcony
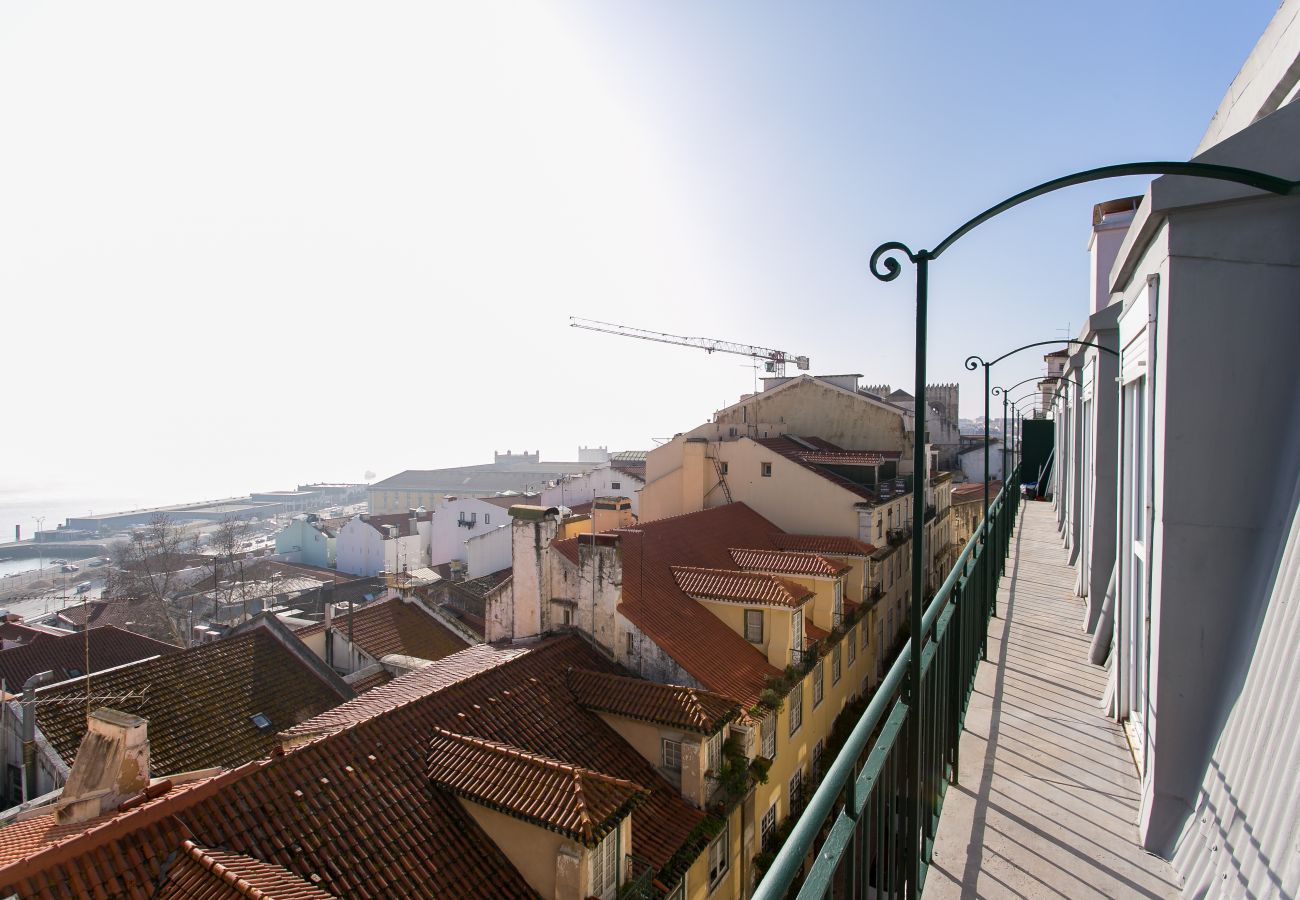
pixel 897 536
pixel 638 879
pixel 1045 798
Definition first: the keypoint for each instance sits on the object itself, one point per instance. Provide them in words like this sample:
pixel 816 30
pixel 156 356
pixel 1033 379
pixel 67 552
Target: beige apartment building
pixel 789 627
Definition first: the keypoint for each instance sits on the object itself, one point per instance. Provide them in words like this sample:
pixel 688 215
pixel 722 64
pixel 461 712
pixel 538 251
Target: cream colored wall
pixel 697 877
pixel 833 414
pixel 531 849
pixel 794 498
pixel 776 626
pixel 822 604
pixel 645 738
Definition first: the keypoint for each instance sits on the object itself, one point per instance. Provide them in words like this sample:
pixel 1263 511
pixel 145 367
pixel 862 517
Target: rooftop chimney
pixel 112 765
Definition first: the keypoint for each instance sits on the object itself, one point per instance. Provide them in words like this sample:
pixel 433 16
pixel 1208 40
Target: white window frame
pixel 768 729
pixel 604 870
pixel 719 857
pixel 795 703
pixel 666 754
pixel 852 643
pixel 713 750
pixel 819 683
pixel 836 667
pixel 749 636
pixel 765 469
pixel 796 631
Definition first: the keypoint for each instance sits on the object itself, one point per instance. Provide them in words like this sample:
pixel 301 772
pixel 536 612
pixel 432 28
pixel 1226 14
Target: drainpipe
pixel 29 731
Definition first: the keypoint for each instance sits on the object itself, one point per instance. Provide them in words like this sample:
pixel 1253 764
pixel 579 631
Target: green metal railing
pixel 851 840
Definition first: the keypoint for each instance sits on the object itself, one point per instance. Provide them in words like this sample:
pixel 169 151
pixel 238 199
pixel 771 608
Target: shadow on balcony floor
pixel 1047 801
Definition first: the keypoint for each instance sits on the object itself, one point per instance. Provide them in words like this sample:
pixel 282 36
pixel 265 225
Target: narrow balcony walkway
pixel 1046 805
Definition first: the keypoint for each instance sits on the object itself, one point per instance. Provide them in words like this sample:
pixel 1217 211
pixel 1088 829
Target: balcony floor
pixel 1046 805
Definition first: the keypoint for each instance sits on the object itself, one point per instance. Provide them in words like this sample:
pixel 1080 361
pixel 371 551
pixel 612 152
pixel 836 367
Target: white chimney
pixel 1110 222
pixel 112 765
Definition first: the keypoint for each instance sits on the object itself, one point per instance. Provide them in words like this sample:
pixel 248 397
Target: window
pixel 864 636
pixel 671 753
pixel 487 518
pixel 754 626
pixel 852 643
pixel 718 858
pixel 631 644
pixel 731 432
pixel 796 792
pixel 819 688
pixel 796 632
pixel 679 892
pixel 880 524
pixel 880 649
pixel 568 616
pixel 769 828
pixel 604 867
pixel 769 736
pixel 765 469
pixel 722 467
pixel 835 664
pixel 616 485
pixel 795 702
pixel 715 753
pixel 818 749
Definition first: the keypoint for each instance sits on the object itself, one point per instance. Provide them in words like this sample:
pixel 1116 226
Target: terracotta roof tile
pixel 822 454
pixel 664 704
pixel 372 681
pixel 718 658
pixel 356 808
pixel 394 626
pixel 147 616
pixel 200 702
pixel 825 544
pixel 740 587
pixel 201 873
pixel 572 800
pixel 785 562
pixel 66 655
pixel 408 688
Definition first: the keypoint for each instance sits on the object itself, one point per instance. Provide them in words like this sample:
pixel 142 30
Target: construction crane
pixel 774 360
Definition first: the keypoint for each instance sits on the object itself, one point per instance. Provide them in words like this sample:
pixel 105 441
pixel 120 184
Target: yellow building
pixel 722 602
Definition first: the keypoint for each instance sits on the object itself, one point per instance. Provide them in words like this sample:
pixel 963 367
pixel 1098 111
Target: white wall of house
pixel 603 482
pixel 972 462
pixel 456 520
pixel 488 552
pixel 363 551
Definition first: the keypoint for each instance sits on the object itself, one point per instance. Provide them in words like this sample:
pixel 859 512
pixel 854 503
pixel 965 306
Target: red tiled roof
pixel 394 626
pixel 305 631
pixel 66 655
pixel 823 454
pixel 408 688
pixel 356 809
pixel 147 616
pixel 372 681
pixel 664 704
pixel 201 873
pixel 812 633
pixel 974 490
pixel 402 521
pixel 567 548
pixel 826 544
pixel 786 562
pixel 200 702
pixel 740 587
pixel 574 801
pixel 712 653
pixel 851 457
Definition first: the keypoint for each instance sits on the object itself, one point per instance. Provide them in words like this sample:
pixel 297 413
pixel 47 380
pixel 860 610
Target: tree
pixel 146 564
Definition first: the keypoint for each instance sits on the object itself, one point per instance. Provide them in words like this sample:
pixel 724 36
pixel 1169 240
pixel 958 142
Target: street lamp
pixel 40 551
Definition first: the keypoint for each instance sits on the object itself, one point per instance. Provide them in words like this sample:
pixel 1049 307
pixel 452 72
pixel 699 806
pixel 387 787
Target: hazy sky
pixel 244 245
